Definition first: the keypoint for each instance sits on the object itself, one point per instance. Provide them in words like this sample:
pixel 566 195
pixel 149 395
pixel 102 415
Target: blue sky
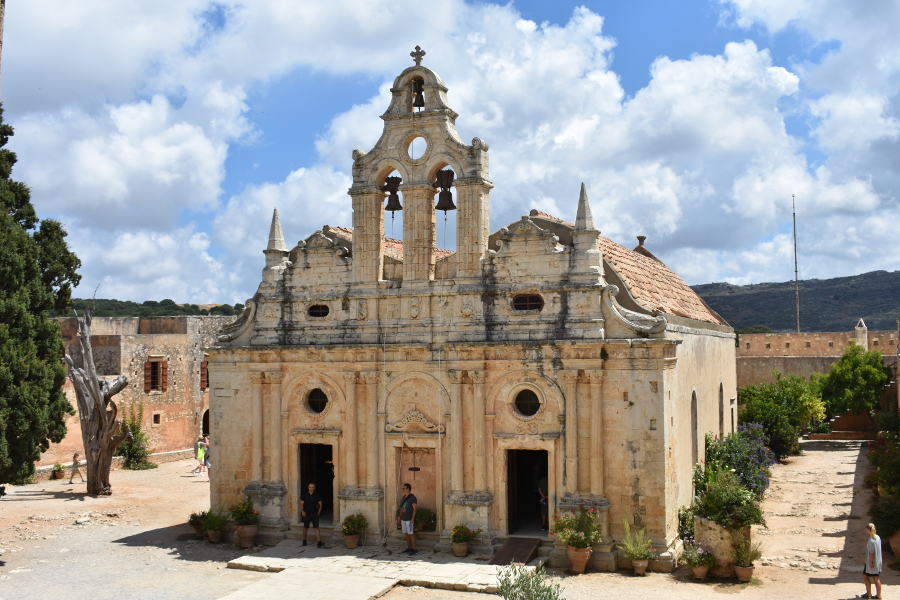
pixel 163 135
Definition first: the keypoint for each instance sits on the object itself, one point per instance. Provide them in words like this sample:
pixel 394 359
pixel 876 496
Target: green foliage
pixel 782 408
pixel 243 513
pixel 58 468
pixel 196 519
pixel 426 520
pixel 855 382
pixel 135 450
pixel 37 273
pixel 686 522
pixel 214 521
pixel 884 454
pixel 578 528
pixel 522 583
pixel 727 502
pixel 148 308
pixel 886 421
pixel 746 451
pixel 743 551
pixel 637 545
pixel 695 555
pixel 354 524
pixel 885 513
pixel 463 535
pixel 820 427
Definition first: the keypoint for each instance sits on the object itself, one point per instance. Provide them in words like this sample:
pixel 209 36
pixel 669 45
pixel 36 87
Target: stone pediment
pixel 525 230
pixel 412 421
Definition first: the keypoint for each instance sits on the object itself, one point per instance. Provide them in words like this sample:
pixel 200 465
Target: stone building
pixel 542 349
pixel 166 368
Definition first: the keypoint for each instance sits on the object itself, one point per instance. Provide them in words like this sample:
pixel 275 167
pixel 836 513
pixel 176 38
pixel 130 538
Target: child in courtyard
pixel 872 567
pixel 75 470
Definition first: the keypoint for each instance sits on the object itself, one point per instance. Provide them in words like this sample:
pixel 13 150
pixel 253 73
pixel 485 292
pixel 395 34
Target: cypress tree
pixel 37 273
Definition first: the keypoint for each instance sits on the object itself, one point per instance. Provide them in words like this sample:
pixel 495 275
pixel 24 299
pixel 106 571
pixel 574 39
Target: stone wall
pixel 812 344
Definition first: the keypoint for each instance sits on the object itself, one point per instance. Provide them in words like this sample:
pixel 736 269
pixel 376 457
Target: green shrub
pixel 855 382
pixel 746 451
pixel 886 421
pixel 728 503
pixel 637 545
pixel 196 519
pixel 743 551
pixel 426 520
pixel 579 529
pixel 523 583
pixel 686 522
pixel 214 521
pixel 782 408
pixel 243 513
pixel 135 450
pixel 885 513
pixel 820 427
pixel 354 524
pixel 58 468
pixel 463 535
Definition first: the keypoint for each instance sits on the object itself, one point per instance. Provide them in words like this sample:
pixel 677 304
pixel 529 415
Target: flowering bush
pixel 695 555
pixel 746 451
pixel 727 502
pixel 579 529
pixel 243 513
pixel 354 524
pixel 463 535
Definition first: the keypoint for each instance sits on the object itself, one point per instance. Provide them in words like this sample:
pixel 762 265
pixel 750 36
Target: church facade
pixel 541 350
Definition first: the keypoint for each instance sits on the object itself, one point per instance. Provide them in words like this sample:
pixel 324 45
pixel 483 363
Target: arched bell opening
pixel 390 184
pixel 417 94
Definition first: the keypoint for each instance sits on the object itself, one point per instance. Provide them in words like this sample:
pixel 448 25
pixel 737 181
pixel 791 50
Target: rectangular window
pixel 787 345
pixel 156 376
pixel 157 419
pixel 768 345
pixel 808 344
pixel 831 344
pixel 748 345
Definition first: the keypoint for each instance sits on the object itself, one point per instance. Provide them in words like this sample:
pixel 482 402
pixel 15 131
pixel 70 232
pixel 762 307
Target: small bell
pixel 392 185
pixel 418 88
pixel 445 198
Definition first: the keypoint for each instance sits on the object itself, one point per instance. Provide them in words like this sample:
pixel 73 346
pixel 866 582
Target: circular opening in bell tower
pixel 417 148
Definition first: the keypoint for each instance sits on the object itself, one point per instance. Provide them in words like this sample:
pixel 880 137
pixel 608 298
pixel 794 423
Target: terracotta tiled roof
pixel 391 246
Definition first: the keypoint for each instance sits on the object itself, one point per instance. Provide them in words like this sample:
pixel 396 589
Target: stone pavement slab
pixel 300 583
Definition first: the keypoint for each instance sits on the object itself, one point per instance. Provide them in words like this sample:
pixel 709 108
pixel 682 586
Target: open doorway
pixel 317 466
pixel 205 422
pixel 526 470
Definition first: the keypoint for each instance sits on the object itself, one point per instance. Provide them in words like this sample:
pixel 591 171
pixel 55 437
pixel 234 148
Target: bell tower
pixel 419 141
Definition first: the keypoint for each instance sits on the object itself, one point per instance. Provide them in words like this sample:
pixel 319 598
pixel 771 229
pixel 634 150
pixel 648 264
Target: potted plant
pixel 698 558
pixel 196 521
pixel 247 521
pixel 214 523
pixel 352 527
pixel 637 547
pixel 58 471
pixel 579 530
pixel 460 538
pixel 743 554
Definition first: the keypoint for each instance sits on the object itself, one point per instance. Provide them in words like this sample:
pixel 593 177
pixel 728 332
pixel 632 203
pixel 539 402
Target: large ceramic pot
pixel 351 541
pixel 895 543
pixel 579 558
pixel 58 474
pixel 700 572
pixel 214 536
pixel 460 548
pixel 743 573
pixel 640 566
pixel 247 535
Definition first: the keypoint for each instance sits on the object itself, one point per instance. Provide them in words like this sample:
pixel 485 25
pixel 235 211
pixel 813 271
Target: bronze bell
pixel 418 88
pixel 445 198
pixel 392 185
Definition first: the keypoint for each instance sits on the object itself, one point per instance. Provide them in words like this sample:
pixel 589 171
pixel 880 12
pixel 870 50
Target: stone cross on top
pixel 417 55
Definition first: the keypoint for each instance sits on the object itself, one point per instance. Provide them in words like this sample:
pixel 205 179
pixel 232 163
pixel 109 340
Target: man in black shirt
pixel 408 507
pixel 310 509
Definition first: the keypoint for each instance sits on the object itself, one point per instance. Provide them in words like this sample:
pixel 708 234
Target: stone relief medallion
pixel 467 309
pixel 362 311
pixel 414 307
pixel 526 429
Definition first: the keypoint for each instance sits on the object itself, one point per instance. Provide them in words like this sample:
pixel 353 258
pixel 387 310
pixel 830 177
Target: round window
pixel 417 148
pixel 317 400
pixel 527 403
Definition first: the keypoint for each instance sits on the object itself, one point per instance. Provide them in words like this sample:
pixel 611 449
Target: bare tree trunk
pixel 101 431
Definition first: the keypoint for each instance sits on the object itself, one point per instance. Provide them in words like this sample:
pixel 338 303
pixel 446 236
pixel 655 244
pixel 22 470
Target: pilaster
pixel 368 233
pixel 351 442
pixel 371 378
pixel 570 379
pixel 256 427
pixel 595 379
pixel 456 433
pixel 478 378
pixel 472 224
pixel 273 424
pixel 419 243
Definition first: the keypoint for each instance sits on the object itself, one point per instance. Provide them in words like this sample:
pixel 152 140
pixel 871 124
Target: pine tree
pixel 37 273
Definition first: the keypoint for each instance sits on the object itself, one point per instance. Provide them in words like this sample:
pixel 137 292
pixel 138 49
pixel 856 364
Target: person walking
pixel 872 567
pixel 199 452
pixel 409 504
pixel 75 470
pixel 310 509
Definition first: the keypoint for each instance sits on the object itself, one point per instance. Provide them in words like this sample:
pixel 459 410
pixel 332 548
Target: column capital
pixel 349 376
pixel 455 376
pixel 274 377
pixel 478 376
pixel 370 377
pixel 594 376
pixel 257 378
pixel 569 376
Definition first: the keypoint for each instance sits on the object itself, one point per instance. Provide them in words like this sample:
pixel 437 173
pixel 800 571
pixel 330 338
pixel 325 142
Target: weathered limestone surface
pixel 422 354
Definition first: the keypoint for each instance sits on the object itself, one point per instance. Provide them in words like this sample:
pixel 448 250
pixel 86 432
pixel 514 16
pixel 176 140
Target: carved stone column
pixel 419 243
pixel 256 426
pixel 597 436
pixel 368 233
pixel 456 432
pixel 273 383
pixel 351 438
pixel 371 379
pixel 473 222
pixel 570 378
pixel 478 412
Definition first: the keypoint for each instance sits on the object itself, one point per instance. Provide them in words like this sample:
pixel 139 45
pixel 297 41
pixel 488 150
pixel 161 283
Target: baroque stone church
pixel 541 350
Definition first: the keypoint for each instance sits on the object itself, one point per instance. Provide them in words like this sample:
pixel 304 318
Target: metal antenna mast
pixel 796 275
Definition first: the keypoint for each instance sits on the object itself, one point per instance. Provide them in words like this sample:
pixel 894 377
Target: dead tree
pixel 101 430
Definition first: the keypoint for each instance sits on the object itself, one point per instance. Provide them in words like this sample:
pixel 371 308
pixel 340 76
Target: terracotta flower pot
pixel 700 572
pixel 351 541
pixel 460 548
pixel 214 536
pixel 58 474
pixel 743 573
pixel 579 558
pixel 640 566
pixel 247 535
pixel 895 543
pixel 199 531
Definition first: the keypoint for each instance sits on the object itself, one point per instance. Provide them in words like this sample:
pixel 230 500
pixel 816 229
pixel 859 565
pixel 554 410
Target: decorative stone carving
pixel 371 377
pixel 478 376
pixel 569 376
pixel 414 418
pixel 257 378
pixel 632 320
pixel 467 309
pixel 362 311
pixel 233 330
pixel 523 229
pixel 414 307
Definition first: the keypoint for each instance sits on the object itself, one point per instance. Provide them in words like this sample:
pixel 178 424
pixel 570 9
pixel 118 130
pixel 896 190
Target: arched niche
pixel 504 391
pixel 391 405
pixel 296 391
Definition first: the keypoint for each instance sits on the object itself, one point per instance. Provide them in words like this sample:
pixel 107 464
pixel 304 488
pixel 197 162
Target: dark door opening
pixel 317 466
pixel 205 425
pixel 526 470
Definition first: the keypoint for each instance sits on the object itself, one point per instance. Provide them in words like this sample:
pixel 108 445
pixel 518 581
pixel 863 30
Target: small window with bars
pixel 527 403
pixel 529 302
pixel 317 400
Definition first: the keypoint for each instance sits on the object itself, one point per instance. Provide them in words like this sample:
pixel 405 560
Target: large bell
pixel 392 185
pixel 445 198
pixel 418 88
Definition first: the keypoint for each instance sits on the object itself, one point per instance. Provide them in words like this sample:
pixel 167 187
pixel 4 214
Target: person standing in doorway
pixel 408 507
pixel 872 568
pixel 310 509
pixel 544 501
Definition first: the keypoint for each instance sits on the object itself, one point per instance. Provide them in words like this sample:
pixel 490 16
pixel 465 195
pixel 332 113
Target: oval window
pixel 528 302
pixel 317 400
pixel 318 310
pixel 527 403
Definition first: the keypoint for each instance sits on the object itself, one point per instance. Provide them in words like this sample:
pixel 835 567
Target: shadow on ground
pixel 181 542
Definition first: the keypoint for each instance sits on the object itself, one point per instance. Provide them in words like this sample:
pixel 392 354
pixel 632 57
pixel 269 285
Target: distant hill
pixel 825 304
pixel 150 308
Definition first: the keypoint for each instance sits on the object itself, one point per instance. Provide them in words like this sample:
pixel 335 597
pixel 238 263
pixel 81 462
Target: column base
pixel 369 502
pixel 472 509
pixel 268 498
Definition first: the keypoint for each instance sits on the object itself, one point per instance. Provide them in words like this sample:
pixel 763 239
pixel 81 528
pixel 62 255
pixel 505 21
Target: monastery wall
pixel 813 344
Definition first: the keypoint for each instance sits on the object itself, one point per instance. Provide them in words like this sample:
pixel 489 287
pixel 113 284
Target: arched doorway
pixel 205 425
